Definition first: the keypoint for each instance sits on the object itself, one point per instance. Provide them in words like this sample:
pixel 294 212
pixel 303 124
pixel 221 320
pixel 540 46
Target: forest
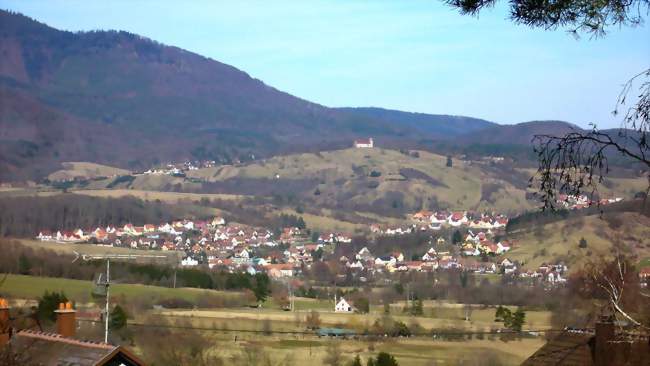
pixel 25 216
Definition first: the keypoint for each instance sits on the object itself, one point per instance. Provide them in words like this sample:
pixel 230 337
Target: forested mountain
pixel 120 99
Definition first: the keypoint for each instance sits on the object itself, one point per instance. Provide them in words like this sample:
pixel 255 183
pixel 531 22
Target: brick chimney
pixel 605 333
pixel 66 322
pixel 5 329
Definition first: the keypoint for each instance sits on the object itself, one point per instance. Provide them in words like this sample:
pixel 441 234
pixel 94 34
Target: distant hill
pixel 432 125
pixel 518 134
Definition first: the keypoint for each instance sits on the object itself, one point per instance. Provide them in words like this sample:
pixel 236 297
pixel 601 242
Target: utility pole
pixel 108 297
pixel 108 257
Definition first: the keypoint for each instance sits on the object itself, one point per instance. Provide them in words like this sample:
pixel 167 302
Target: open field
pixel 170 197
pixel 72 170
pixel 32 287
pixel 233 324
pixel 419 351
pixel 303 348
pixel 434 318
pixel 171 257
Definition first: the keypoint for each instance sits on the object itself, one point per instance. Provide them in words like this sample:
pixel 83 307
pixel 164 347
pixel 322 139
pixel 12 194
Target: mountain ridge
pixel 117 98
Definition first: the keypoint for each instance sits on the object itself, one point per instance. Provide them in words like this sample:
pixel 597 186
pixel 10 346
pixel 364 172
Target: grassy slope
pixel 170 197
pixel 560 240
pixel 32 287
pixel 463 181
pixel 85 170
pixel 69 248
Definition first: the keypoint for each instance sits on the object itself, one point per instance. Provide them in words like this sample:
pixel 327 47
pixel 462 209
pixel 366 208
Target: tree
pixel 314 236
pixel 589 16
pixel 362 304
pixel 517 321
pixel 578 161
pixel 48 303
pixel 583 243
pixel 118 318
pixel 313 320
pixel 356 361
pixel 317 254
pixel 450 163
pixel 468 311
pixel 501 313
pixel 457 238
pixel 370 362
pixel 417 307
pixel 513 321
pixel 385 359
pixel 262 287
pixel 24 265
pixel 333 355
pixel 613 285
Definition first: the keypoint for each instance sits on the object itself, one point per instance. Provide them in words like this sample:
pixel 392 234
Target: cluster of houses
pixel 472 220
pixel 179 169
pixel 238 248
pixel 573 202
pixel 214 243
pixel 428 220
pixel 434 260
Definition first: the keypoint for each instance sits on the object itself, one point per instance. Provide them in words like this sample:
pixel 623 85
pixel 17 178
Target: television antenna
pixel 107 282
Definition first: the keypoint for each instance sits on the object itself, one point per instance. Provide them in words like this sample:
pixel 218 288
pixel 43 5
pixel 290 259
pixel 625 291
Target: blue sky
pixel 419 56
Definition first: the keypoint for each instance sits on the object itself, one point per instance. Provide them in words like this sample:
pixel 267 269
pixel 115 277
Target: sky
pixel 417 56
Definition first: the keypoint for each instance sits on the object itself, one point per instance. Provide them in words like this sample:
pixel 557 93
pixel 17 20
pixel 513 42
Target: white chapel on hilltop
pixel 364 143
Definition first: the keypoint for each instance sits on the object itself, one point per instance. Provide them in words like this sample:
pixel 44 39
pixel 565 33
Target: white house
pixel 189 262
pixel 502 247
pixel 44 235
pixel 355 265
pixel 364 143
pixel 343 307
pixel 457 219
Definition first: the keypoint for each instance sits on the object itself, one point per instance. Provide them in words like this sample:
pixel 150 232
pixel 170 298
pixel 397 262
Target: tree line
pixel 25 216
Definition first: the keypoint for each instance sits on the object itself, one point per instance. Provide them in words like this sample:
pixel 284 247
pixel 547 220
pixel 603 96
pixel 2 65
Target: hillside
pixel 625 232
pixel 117 98
pixel 382 182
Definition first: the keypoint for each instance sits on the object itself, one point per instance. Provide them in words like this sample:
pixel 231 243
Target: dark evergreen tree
pixel 118 318
pixel 385 359
pixel 48 303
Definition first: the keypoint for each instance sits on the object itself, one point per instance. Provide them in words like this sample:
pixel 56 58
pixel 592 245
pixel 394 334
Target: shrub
pixel 583 243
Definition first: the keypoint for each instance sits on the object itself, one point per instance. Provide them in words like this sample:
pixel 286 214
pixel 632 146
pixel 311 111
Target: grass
pixel 301 348
pixel 305 348
pixel 85 170
pixel 69 248
pixel 435 318
pixel 170 197
pixel 559 241
pixel 645 262
pixel 32 287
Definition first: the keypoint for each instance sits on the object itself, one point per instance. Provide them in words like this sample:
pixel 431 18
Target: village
pixel 285 253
